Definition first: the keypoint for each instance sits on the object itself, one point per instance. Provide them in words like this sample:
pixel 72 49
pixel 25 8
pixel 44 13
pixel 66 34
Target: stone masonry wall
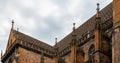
pixel 116 35
pixel 116 10
pixel 27 56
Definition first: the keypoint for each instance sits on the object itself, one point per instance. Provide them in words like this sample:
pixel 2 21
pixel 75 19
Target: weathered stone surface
pixel 116 35
pixel 116 46
pixel 116 11
pixel 27 56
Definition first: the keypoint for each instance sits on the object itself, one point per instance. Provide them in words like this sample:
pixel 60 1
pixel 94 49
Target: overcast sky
pixel 44 19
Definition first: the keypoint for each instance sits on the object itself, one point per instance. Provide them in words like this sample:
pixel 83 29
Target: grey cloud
pixel 57 25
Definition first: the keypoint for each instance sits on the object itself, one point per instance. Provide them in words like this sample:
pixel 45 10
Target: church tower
pixel 116 32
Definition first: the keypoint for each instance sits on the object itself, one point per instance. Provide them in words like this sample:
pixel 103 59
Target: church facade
pixel 96 41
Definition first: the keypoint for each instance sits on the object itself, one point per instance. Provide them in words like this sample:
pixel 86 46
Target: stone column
pixel 116 32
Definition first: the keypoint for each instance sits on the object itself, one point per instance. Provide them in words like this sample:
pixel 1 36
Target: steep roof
pixel 106 14
pixel 32 40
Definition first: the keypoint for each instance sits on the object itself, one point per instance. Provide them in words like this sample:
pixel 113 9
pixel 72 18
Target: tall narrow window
pixel 91 53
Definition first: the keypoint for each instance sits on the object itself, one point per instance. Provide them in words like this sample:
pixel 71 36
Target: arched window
pixel 91 53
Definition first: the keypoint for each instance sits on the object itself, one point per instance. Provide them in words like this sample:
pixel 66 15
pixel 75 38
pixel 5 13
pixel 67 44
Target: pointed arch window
pixel 91 53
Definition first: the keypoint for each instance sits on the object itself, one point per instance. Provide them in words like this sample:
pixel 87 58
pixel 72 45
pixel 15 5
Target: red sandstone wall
pixel 80 58
pixel 116 10
pixel 27 56
pixel 86 49
pixel 67 58
pixel 116 36
pixel 116 46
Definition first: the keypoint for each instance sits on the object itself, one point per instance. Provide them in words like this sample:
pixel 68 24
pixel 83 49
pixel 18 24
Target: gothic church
pixel 96 41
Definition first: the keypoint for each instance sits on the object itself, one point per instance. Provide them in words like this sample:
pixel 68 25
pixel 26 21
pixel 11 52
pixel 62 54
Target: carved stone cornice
pixel 35 48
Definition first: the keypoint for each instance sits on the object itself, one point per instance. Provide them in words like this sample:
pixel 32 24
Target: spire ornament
pixel 98 18
pixel 98 10
pixel 73 35
pixel 55 41
pixel 73 26
pixel 12 24
pixel 56 48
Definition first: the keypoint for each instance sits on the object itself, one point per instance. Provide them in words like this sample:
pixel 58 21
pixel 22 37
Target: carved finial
pixel 56 46
pixel 55 41
pixel 12 24
pixel 73 26
pixel 73 35
pixel 98 10
pixel 98 18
